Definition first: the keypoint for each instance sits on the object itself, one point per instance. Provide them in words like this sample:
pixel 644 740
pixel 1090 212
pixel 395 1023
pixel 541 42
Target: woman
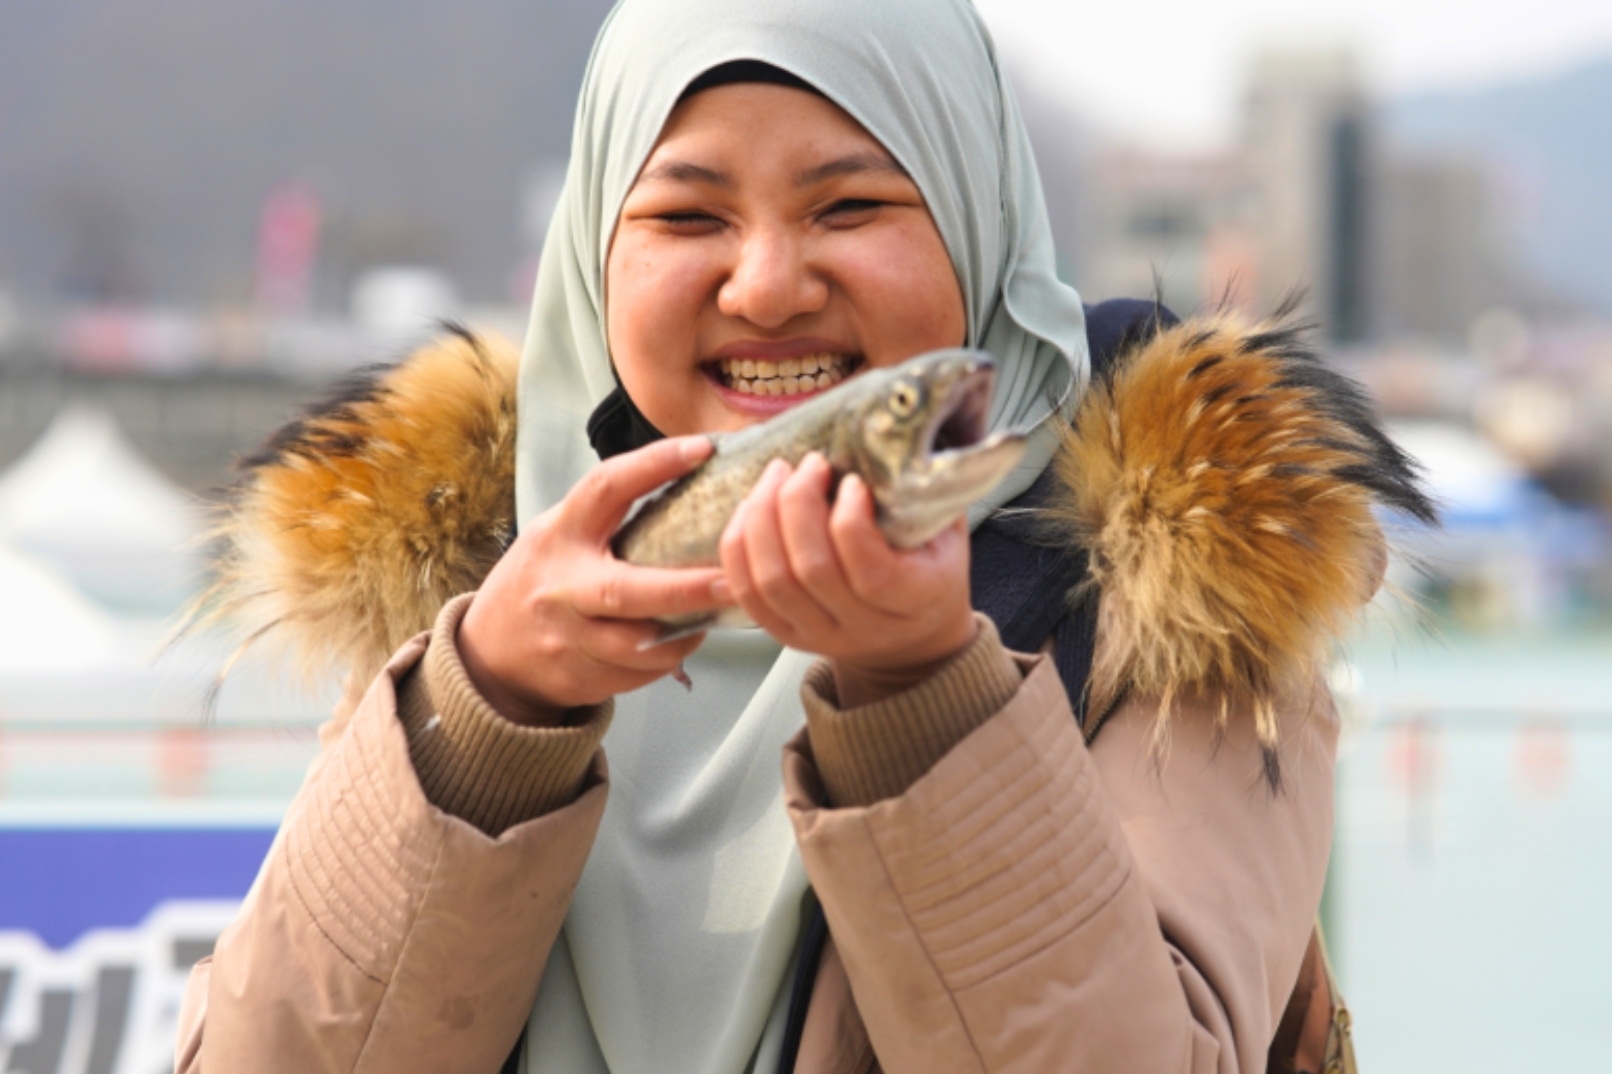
pixel 756 187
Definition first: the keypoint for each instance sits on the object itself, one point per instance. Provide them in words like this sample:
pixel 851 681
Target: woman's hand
pixel 824 580
pixel 559 620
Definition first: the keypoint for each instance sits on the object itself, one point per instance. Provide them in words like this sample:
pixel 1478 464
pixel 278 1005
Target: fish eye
pixel 904 400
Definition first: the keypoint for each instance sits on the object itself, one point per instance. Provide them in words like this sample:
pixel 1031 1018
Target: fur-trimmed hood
pixel 354 524
pixel 1221 476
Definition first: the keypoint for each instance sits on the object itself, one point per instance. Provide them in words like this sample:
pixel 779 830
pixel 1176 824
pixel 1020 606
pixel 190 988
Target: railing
pixel 1471 876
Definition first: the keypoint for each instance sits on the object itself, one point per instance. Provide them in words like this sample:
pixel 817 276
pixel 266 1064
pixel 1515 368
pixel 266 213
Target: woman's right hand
pixel 559 620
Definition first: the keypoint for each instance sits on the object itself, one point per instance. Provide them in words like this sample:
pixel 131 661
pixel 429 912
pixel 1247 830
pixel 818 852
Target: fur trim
pixel 353 525
pixel 1222 479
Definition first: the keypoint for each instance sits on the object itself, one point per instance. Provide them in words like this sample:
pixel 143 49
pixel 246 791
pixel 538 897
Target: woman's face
pixel 770 247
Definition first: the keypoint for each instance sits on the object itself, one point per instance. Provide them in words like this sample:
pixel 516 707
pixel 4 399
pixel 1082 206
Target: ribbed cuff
pixel 865 755
pixel 474 763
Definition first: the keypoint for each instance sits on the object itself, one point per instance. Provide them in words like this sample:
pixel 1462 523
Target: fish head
pixel 919 439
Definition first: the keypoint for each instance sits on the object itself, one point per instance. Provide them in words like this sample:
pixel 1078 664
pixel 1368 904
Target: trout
pixel 915 433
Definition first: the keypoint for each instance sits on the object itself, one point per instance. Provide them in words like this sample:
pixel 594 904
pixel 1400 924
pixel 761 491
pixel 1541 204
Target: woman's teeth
pixel 792 376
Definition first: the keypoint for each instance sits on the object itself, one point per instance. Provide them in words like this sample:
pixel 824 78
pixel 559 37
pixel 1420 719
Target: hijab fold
pixel 676 951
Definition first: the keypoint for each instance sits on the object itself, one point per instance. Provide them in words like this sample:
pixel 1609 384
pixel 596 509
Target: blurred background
pixel 211 210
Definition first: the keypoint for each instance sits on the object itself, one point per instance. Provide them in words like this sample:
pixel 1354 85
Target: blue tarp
pixel 60 882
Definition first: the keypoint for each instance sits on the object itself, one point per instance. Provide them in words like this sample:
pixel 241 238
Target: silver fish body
pixel 915 433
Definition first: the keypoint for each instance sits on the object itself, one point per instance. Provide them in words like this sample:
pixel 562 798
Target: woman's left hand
pixel 823 579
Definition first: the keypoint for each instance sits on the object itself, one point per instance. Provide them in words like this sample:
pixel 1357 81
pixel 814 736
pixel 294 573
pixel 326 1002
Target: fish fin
pixel 682 629
pixel 688 626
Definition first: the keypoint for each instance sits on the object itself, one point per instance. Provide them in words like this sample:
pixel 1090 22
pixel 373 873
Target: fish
pixel 914 432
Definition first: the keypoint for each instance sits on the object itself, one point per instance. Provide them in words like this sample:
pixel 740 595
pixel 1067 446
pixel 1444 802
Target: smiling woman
pixel 769 238
pixel 952 872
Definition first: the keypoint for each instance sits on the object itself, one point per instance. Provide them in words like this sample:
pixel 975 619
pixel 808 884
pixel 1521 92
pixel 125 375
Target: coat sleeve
pixel 384 933
pixel 1029 904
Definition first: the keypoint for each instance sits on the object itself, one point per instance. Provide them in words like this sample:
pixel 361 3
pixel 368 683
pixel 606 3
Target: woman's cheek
pixel 907 292
pixel 653 293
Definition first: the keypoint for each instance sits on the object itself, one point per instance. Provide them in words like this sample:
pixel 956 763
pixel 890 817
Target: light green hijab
pixel 683 927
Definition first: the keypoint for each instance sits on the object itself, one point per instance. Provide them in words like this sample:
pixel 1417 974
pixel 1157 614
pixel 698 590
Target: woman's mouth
pixel 788 376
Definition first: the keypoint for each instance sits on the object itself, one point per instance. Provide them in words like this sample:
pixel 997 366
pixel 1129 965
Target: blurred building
pixel 1310 148
pixel 1310 199
pixel 1181 227
pixel 145 150
pixel 1440 261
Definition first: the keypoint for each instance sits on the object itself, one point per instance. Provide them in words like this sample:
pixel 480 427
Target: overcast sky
pixel 1168 72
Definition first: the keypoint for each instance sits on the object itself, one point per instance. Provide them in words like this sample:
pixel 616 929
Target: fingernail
pixel 693 447
pixel 722 591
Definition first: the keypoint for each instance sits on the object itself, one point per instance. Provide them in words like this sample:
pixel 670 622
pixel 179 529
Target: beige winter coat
pixel 1024 904
pixel 1001 896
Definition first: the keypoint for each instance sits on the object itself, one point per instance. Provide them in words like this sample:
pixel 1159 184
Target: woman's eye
pixel 689 221
pixel 847 209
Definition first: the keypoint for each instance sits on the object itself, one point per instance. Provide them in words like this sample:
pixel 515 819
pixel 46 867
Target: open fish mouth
pixel 959 423
pixel 960 460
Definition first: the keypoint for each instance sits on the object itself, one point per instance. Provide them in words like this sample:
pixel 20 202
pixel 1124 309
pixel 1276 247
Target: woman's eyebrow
pixel 865 161
pixel 681 171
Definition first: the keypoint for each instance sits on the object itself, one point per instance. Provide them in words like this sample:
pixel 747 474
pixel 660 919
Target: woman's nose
pixel 771 281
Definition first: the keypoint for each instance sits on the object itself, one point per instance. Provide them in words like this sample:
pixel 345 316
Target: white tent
pixel 83 502
pixel 49 627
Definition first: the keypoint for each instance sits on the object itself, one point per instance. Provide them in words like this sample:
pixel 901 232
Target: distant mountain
pixel 1550 140
pixel 137 140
